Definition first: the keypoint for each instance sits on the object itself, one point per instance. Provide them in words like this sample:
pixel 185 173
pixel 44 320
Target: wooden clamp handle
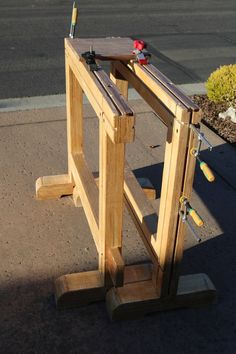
pixel 207 171
pixel 74 16
pixel 196 218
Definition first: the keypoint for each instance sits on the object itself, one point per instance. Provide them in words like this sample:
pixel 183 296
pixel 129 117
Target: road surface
pixel 188 39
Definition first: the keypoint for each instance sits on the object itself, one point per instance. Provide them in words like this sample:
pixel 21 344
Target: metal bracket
pixel 196 152
pixel 201 139
pixel 90 59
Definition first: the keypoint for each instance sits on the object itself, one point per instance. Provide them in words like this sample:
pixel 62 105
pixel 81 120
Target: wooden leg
pixel 51 187
pixel 174 167
pixel 187 191
pixel 111 186
pixel 74 105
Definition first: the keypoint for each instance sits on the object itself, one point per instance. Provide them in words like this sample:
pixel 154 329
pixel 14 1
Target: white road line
pixel 51 101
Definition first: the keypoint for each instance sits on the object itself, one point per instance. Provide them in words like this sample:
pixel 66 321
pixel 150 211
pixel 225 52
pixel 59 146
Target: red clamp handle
pixel 140 45
pixel 143 61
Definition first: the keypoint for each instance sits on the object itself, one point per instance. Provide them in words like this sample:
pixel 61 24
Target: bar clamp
pixel 90 57
pixel 142 55
pixel 195 151
pixel 188 210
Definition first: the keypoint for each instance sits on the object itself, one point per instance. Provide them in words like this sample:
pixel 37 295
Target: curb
pixel 52 101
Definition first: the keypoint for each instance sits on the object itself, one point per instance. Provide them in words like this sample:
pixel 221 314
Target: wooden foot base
pixel 137 297
pixel 53 187
pixel 135 300
pixel 79 289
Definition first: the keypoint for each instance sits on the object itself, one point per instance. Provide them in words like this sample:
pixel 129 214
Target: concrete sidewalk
pixel 41 240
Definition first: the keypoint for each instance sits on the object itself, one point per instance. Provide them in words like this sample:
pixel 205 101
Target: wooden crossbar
pixel 135 290
pixel 88 192
pixel 145 92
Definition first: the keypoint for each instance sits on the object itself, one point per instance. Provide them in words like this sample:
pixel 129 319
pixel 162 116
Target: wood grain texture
pixel 138 272
pixel 74 105
pixel 111 185
pixel 53 187
pixel 175 91
pixel 134 290
pixel 141 211
pixel 79 289
pixel 146 93
pixel 110 48
pixel 116 266
pixel 88 193
pixel 119 127
pixel 135 300
pixel 159 90
pixel 169 205
pixel 115 94
pixel 187 192
pixel 121 83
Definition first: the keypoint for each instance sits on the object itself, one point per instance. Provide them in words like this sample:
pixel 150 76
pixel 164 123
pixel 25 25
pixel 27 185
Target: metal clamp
pixel 142 55
pixel 90 59
pixel 73 20
pixel 196 152
pixel 188 210
pixel 201 139
pixel 185 220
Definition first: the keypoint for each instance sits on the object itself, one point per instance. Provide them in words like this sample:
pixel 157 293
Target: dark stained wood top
pixel 117 48
pixel 111 48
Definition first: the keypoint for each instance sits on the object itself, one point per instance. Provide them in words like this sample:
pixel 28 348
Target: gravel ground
pixel 223 127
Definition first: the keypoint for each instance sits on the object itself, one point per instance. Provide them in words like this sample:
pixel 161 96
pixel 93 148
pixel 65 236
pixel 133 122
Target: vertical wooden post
pixel 111 185
pixel 74 103
pixel 187 191
pixel 171 191
pixel 119 80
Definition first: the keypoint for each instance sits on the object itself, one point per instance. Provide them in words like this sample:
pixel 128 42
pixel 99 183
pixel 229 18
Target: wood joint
pixel 116 266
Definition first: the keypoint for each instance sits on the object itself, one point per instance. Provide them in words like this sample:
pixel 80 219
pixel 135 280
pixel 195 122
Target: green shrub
pixel 221 85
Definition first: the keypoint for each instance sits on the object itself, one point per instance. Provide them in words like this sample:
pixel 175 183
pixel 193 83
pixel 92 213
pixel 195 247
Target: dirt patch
pixel 223 127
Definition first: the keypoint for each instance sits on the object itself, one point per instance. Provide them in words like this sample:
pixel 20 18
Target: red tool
pixel 142 55
pixel 138 44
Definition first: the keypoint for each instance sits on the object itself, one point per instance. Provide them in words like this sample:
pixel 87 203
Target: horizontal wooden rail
pixel 141 211
pixel 180 95
pixel 118 100
pixel 163 93
pixel 161 110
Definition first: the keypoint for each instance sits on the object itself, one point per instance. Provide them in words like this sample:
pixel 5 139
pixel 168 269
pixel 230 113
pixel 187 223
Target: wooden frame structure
pixel 130 291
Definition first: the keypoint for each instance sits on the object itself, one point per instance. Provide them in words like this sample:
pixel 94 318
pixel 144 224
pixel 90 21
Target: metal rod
pixel 198 239
pixel 185 221
pixel 201 136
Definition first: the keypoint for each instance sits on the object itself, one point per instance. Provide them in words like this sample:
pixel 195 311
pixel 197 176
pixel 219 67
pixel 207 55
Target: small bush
pixel 221 85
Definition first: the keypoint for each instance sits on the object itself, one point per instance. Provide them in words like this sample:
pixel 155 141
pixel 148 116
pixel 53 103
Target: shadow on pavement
pixel 30 322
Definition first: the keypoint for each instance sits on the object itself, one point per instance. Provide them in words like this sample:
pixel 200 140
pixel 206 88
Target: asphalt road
pixel 188 39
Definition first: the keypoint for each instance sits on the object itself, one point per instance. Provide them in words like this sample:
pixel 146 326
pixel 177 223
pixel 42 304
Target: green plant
pixel 221 85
